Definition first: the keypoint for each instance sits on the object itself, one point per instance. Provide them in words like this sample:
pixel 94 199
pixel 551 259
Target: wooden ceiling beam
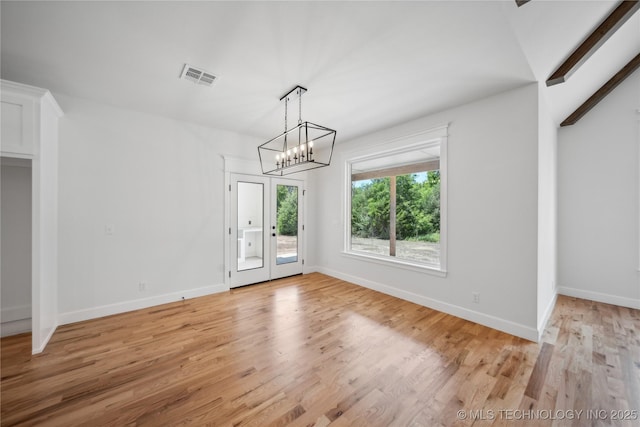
pixel 625 72
pixel 597 38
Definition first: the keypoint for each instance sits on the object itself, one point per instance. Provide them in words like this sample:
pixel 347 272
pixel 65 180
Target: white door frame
pixel 237 165
pixel 39 143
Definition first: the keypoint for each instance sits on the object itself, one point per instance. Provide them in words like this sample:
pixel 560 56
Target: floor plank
pixel 313 350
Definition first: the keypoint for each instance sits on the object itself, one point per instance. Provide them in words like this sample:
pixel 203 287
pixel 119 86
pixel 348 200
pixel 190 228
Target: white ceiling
pixel 366 65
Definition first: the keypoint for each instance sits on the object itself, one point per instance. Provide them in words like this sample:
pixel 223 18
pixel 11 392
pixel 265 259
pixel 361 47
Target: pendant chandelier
pixel 303 147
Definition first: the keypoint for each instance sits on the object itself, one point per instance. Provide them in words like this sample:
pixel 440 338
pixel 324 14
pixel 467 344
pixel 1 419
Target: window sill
pixel 404 265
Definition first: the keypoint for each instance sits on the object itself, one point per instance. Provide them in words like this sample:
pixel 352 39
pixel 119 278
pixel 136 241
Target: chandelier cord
pixel 299 106
pixel 286 100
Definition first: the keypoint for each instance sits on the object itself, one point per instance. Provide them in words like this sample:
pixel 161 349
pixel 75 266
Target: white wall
pixel 15 295
pixel 598 200
pixel 547 208
pixel 493 215
pixel 158 184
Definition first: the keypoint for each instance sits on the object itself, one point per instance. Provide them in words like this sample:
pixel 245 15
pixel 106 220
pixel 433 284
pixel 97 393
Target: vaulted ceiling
pixel 366 65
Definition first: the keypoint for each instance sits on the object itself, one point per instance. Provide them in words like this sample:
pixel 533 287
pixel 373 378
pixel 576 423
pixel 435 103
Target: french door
pixel 265 229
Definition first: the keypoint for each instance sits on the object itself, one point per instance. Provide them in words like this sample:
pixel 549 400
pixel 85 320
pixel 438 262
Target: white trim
pixel 11 314
pixel 310 269
pixel 15 327
pixel 418 138
pixel 21 88
pixel 542 323
pixel 304 224
pixel 12 155
pixel 240 165
pixel 51 101
pixel 226 262
pixel 600 297
pixel 401 263
pixel 371 152
pixel 39 142
pixel 45 341
pixel 444 200
pixel 125 306
pixel 16 162
pixel 441 131
pixel 37 92
pixel 493 322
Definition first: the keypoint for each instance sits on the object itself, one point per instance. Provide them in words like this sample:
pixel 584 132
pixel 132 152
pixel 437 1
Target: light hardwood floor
pixel 315 350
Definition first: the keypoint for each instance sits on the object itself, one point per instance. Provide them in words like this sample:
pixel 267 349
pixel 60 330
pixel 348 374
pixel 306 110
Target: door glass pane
pixel 287 224
pixel 250 214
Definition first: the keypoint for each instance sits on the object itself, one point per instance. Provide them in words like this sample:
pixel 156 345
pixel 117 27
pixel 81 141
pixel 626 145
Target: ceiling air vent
pixel 198 75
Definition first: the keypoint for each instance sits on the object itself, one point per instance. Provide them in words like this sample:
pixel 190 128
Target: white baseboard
pixel 309 269
pixel 15 327
pixel 44 343
pixel 600 297
pixel 493 322
pixel 10 314
pixel 542 323
pixel 122 307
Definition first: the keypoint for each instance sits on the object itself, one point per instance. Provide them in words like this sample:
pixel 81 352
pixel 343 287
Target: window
pixel 397 205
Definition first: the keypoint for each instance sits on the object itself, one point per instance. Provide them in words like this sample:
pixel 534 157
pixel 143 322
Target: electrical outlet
pixel 476 297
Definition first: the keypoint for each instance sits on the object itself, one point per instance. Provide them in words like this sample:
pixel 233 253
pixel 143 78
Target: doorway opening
pixel 16 231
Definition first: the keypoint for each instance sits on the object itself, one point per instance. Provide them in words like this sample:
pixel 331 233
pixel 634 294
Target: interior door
pixel 265 233
pixel 286 227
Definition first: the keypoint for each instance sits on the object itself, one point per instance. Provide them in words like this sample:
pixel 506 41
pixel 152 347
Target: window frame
pixel 427 139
